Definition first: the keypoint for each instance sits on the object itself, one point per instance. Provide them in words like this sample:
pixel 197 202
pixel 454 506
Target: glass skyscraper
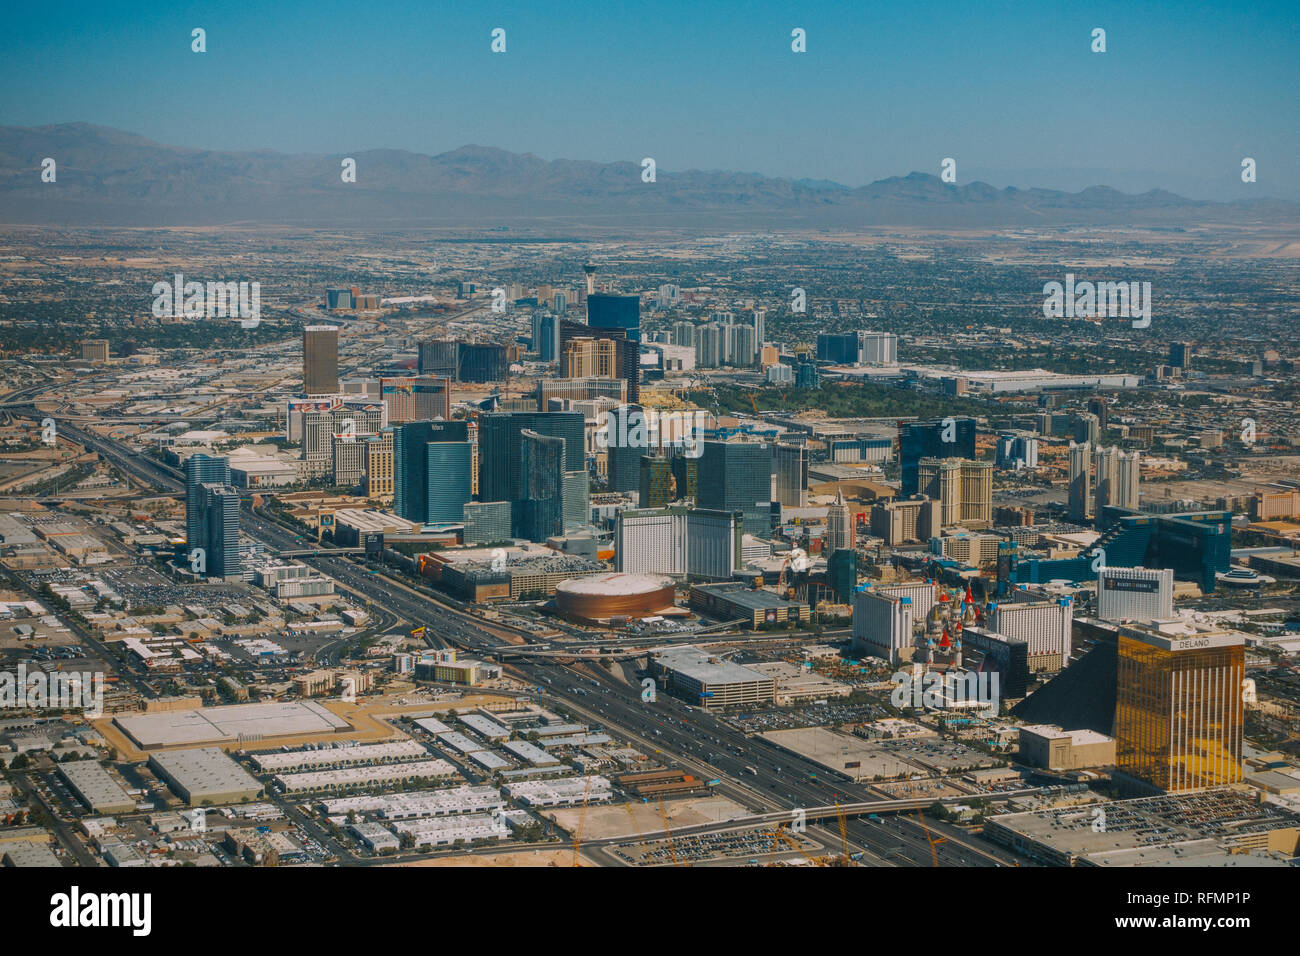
pixel 1179 708
pixel 656 482
pixel 630 437
pixel 481 362
pixel 427 483
pixel 577 500
pixel 320 360
pixel 450 480
pixel 622 312
pixel 219 530
pixel 737 476
pixel 487 522
pixel 439 357
pixel 619 317
pixel 917 440
pixel 542 465
pixel 201 470
pixel 501 441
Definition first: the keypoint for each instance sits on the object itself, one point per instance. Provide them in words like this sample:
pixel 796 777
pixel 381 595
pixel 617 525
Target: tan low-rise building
pixel 1052 748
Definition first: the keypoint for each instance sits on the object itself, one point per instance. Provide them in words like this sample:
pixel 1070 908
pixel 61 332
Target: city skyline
pixel 842 436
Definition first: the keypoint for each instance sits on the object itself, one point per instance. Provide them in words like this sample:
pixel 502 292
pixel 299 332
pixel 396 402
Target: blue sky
pixel 1011 90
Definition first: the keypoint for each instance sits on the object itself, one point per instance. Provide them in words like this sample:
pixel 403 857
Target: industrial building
pixel 1052 748
pixel 229 724
pixel 24 854
pixel 560 793
pixel 207 775
pixel 445 831
pixel 389 752
pixel 531 753
pixel 96 787
pixel 708 681
pixel 364 776
pixel 419 803
pixel 374 836
pixel 1222 827
pixel 485 727
pixel 734 600
pixel 657 784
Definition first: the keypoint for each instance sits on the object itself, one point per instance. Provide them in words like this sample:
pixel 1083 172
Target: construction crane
pixel 780 835
pixel 635 826
pixel 631 814
pixel 668 834
pixel 844 833
pixel 582 818
pixel 713 393
pixel 932 840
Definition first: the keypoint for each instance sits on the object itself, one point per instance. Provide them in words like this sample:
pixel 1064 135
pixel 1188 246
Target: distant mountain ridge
pixel 108 177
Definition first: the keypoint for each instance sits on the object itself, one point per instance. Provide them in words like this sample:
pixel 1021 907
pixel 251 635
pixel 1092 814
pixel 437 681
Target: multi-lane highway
pixel 700 742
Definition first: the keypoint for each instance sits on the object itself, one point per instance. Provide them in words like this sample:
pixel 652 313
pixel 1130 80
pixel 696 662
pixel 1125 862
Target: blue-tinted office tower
pixel 938 438
pixel 619 317
pixel 432 471
pixel 542 466
pixel 737 476
pixel 481 362
pixel 629 438
pixel 577 500
pixel 219 530
pixel 621 312
pixel 451 481
pixel 548 337
pixel 838 348
pixel 487 522
pixel 201 470
pixel 439 357
pixel 501 442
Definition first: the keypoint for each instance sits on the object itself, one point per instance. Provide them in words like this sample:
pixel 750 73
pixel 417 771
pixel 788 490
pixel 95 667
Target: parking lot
pixel 807 715
pixel 753 845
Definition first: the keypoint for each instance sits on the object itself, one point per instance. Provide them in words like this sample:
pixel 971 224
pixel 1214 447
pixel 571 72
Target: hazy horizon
pixel 1182 94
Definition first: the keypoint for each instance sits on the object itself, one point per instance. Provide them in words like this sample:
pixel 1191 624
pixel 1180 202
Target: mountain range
pixel 108 177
